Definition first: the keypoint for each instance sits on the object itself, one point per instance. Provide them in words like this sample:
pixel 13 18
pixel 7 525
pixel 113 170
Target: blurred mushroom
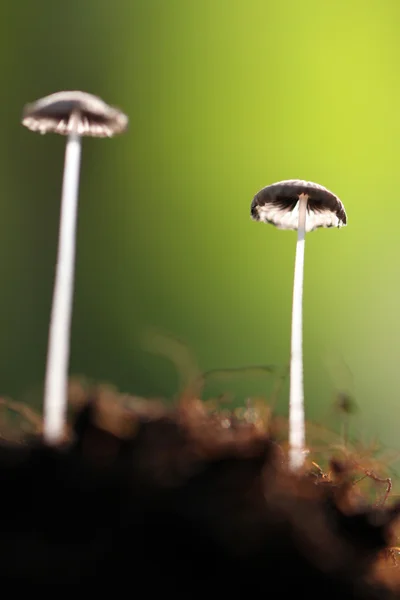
pixel 74 114
pixel 305 206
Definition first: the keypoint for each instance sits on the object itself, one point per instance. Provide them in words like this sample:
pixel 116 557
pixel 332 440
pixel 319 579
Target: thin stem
pixel 296 403
pixel 55 395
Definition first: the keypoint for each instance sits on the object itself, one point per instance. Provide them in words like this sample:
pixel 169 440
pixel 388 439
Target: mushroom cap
pixel 53 114
pixel 278 204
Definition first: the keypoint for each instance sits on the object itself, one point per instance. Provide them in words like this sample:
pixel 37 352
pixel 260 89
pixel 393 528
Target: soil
pixel 187 503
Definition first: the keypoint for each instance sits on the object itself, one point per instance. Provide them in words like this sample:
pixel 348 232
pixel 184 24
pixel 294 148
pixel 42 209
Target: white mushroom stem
pixel 296 403
pixel 56 380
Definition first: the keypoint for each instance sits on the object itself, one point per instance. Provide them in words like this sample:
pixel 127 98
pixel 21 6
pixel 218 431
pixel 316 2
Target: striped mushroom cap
pixel 278 204
pixel 53 114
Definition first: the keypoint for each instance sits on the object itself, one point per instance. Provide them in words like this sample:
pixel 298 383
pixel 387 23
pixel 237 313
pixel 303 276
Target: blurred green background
pixel 224 97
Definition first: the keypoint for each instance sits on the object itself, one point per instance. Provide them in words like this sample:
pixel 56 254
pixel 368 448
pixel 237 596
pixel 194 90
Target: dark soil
pixel 184 504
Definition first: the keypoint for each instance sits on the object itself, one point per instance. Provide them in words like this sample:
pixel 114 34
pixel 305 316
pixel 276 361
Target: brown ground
pixel 188 503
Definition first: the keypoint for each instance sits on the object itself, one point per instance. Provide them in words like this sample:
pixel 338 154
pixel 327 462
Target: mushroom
pixel 75 114
pixel 305 206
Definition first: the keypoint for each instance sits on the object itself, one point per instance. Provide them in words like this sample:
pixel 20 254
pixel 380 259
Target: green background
pixel 224 97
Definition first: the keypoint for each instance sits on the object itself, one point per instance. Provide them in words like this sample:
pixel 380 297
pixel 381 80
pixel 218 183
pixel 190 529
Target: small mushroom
pixel 74 114
pixel 305 206
pixel 53 114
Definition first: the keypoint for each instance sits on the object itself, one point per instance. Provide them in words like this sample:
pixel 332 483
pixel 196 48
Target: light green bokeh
pixel 224 97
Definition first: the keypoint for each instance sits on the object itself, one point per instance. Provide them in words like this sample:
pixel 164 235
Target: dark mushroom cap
pixel 278 204
pixel 53 114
